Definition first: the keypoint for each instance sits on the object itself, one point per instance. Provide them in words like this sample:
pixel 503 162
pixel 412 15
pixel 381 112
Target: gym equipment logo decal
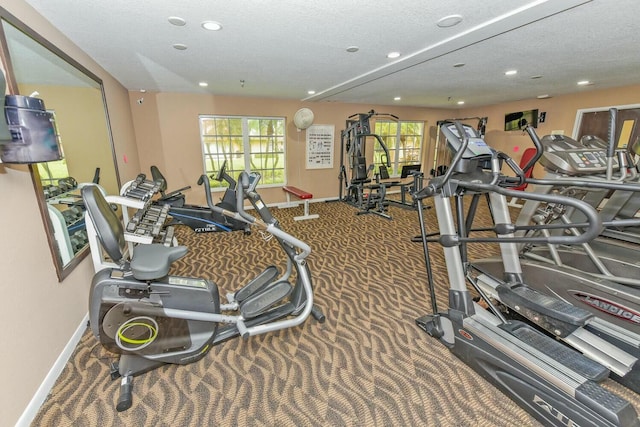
pixel 609 307
pixel 556 414
pixel 465 334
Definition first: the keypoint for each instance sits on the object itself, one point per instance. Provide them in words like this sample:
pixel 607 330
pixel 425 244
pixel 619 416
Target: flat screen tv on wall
pixel 518 120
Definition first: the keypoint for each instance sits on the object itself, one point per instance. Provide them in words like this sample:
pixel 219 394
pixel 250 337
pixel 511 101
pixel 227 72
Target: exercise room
pixel 412 213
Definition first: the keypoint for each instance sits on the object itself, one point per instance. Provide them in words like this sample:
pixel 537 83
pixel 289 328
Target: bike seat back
pixel 108 226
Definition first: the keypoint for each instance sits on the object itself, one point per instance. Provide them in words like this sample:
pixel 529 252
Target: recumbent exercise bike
pixel 152 318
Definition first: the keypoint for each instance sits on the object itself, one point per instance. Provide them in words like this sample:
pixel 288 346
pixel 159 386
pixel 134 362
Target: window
pixel 254 144
pixel 403 140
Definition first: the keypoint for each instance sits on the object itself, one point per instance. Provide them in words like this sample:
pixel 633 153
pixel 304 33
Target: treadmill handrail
pixel 592 231
pixel 568 182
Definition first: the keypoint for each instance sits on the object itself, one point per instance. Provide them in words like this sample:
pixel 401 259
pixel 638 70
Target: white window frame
pixel 246 145
pixel 394 151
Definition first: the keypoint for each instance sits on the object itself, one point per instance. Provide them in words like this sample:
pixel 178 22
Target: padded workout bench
pixel 304 196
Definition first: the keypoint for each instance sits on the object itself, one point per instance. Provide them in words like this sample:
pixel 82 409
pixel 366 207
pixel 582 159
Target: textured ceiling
pixel 285 48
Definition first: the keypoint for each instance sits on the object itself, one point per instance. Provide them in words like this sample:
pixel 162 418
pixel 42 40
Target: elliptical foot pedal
pixel 267 276
pixel 554 313
pixel 615 409
pixel 258 303
pixel 557 351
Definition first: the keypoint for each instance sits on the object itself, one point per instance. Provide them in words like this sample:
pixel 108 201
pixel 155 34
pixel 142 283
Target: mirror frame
pixel 62 271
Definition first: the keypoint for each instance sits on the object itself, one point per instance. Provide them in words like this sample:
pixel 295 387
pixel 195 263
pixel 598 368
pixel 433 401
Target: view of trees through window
pixel 403 140
pixel 254 144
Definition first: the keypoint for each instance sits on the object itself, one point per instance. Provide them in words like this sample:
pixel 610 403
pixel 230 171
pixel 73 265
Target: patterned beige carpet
pixel 367 365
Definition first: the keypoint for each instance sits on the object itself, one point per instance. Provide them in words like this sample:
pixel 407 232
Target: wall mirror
pixel 75 97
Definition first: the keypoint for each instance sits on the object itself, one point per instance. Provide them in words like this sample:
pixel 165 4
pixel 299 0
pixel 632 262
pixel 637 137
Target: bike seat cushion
pixel 150 262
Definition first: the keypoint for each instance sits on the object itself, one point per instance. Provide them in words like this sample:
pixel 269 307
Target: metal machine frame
pixel 151 318
pixel 555 384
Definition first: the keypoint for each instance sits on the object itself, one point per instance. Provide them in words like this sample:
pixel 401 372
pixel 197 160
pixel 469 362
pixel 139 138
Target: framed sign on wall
pixel 319 153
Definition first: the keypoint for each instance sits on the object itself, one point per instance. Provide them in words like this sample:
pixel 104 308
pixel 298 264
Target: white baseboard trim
pixel 43 391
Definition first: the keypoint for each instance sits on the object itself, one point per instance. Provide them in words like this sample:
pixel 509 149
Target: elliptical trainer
pixel 554 383
pixel 590 276
pixel 152 318
pixel 202 219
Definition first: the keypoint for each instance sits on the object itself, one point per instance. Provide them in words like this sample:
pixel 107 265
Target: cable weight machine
pixel 353 141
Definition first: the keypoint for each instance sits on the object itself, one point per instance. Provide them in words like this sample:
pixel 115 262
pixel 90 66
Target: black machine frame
pixel 201 219
pixel 353 141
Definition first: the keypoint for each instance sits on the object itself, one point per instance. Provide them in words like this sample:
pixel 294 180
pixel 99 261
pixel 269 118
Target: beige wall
pixel 561 115
pixel 39 315
pixel 168 135
pixel 167 131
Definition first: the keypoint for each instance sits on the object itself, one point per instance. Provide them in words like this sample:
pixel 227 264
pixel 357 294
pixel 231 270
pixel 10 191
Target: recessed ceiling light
pixel 211 25
pixel 352 49
pixel 393 55
pixel 511 72
pixel 397 98
pixel 545 96
pixel 311 92
pixel 460 102
pixel 180 46
pixel 143 91
pixel 203 84
pixel 459 64
pixel 177 21
pixel 449 21
pixel 584 83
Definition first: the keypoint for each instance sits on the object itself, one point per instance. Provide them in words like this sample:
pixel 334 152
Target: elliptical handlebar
pixel 223 175
pixel 244 184
pixel 243 181
pixel 594 222
pixel 538 146
pixel 433 186
pixel 611 148
pixel 246 187
pixel 613 119
pixel 204 180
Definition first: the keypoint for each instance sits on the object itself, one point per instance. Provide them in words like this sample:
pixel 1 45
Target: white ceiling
pixel 284 48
